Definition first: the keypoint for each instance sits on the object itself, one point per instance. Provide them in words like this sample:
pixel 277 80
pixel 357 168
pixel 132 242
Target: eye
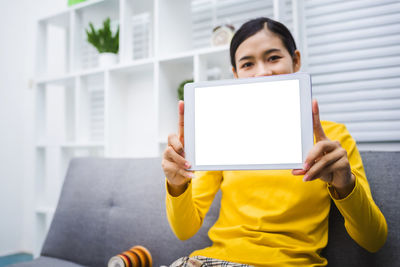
pixel 247 64
pixel 274 58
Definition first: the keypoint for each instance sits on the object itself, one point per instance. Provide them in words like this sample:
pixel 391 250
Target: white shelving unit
pixel 126 110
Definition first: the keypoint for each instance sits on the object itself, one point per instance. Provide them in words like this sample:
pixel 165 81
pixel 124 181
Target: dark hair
pixel 253 26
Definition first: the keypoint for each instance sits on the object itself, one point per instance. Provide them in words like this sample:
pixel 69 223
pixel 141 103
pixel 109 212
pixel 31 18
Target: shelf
pixel 134 66
pixel 137 31
pixel 62 79
pixel 59 19
pixel 45 210
pixel 178 56
pixel 171 73
pixel 212 50
pixel 213 64
pixel 130 91
pixel 43 218
pixel 84 55
pixel 40 232
pixel 86 4
pixel 53 45
pixel 82 145
pixel 68 78
pixel 90 109
pixel 214 53
pixel 44 145
pixel 126 109
pixel 89 72
pixel 41 145
pixel 40 175
pixel 191 53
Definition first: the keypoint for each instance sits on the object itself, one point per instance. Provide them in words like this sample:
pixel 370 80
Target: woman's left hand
pixel 327 160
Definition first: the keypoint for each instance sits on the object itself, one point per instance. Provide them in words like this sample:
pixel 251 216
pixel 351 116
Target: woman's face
pixel 264 54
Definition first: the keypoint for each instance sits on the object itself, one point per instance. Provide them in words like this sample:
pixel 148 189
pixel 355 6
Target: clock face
pixel 222 36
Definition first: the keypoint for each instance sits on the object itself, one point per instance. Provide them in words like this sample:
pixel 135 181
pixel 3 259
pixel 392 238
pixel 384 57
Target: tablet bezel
pixel 307 135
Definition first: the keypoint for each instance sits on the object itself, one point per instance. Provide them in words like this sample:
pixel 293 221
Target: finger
pixel 318 131
pixel 181 109
pixel 326 175
pixel 341 167
pixel 171 155
pixel 186 174
pixel 173 171
pixel 180 174
pixel 176 175
pixel 298 172
pixel 176 144
pixel 321 166
pixel 318 151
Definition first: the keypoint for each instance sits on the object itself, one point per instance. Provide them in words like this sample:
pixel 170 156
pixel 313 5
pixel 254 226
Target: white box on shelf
pixel 90 108
pixel 141 36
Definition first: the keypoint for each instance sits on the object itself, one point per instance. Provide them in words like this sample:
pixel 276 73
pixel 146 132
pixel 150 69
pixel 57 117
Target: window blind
pixel 354 57
pixel 207 14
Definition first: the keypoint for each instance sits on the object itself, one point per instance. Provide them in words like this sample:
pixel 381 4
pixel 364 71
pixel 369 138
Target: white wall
pixel 17 46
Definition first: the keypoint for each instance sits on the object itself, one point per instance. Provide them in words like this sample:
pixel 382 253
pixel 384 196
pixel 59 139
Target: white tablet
pixel 249 124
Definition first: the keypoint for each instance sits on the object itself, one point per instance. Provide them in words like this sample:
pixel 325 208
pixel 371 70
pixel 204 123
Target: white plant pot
pixel 107 59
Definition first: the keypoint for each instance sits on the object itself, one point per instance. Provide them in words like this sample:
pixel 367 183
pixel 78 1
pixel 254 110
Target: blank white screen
pixel 256 123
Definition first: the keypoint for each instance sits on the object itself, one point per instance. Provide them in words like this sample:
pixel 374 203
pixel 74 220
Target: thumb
pixel 318 131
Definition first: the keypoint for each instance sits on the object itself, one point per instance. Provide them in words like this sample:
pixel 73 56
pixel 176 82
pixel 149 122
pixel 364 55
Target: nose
pixel 263 70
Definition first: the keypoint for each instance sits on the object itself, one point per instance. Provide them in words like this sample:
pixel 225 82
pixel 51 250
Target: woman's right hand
pixel 174 163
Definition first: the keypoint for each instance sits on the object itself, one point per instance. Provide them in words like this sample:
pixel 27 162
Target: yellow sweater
pixel 272 218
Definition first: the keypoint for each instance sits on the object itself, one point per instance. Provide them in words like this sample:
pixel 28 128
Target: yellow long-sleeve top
pixel 272 218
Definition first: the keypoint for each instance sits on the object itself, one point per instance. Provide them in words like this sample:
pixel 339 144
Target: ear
pixel 234 73
pixel 296 61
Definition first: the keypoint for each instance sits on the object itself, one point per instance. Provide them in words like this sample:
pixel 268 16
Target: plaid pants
pixel 200 261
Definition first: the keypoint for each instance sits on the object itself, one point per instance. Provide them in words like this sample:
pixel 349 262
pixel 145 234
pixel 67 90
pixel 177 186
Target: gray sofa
pixel 108 205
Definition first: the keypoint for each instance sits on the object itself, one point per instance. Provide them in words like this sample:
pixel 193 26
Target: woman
pixel 272 217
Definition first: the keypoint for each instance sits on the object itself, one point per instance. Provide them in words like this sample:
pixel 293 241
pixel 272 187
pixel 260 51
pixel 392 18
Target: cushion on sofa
pixel 108 205
pixel 382 170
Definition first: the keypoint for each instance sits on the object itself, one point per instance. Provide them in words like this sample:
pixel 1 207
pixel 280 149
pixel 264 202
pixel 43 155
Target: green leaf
pixel 181 87
pixel 103 38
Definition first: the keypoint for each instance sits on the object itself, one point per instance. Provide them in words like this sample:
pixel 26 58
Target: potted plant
pixel 181 87
pixel 105 42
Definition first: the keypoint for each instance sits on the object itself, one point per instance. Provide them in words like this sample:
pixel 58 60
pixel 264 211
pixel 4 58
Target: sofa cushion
pixel 108 205
pixel 384 178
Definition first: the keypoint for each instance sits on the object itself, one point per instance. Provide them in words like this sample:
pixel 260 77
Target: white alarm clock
pixel 222 35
